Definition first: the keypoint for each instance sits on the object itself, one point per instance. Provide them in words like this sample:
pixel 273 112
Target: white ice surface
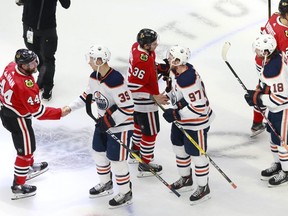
pixel 203 26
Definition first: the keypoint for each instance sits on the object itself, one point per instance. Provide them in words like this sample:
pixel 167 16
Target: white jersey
pixel 107 91
pixel 275 75
pixel 197 114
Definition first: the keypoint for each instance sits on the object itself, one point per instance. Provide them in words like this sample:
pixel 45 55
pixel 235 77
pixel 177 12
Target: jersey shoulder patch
pixel 144 57
pixel 29 83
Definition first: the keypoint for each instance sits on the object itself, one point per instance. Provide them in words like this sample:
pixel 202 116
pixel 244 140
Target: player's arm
pixel 33 104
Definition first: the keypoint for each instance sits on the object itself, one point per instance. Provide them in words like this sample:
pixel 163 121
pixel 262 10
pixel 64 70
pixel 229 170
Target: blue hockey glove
pixel 105 122
pixel 171 115
pixel 253 98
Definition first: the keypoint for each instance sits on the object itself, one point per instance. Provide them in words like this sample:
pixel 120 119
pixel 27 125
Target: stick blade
pixel 225 49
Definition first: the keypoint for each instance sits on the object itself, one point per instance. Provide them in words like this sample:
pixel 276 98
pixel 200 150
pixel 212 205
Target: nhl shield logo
pixel 29 83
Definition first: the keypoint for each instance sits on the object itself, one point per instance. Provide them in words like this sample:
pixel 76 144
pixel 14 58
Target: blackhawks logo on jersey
pixel 29 83
pixel 286 33
pixel 144 57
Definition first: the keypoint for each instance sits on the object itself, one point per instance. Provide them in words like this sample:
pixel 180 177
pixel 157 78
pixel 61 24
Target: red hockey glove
pixel 163 68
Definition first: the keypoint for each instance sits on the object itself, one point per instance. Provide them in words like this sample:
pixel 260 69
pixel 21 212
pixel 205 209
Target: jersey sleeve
pixel 31 101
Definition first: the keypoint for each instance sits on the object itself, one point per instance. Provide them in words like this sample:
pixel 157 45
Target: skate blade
pixel 105 193
pixel 207 197
pixel 22 196
pixel 122 205
pixel 273 186
pixel 35 174
pixel 264 178
pixel 142 174
pixel 257 133
pixel 184 189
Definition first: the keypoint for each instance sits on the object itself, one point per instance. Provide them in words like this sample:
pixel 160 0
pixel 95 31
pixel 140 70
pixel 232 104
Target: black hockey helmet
pixel 146 36
pixel 283 7
pixel 25 56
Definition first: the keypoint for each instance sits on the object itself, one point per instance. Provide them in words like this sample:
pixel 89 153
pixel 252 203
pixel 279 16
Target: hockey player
pixel 143 83
pixel 274 76
pixel 277 25
pixel 192 111
pixel 115 109
pixel 19 102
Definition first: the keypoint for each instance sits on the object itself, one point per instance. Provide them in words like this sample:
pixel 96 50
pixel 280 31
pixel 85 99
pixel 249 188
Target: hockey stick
pixel 200 149
pixel 89 112
pixel 225 49
pixel 269 9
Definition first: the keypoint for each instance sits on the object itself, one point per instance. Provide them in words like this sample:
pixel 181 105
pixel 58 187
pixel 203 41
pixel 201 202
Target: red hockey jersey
pixel 280 33
pixel 142 71
pixel 20 93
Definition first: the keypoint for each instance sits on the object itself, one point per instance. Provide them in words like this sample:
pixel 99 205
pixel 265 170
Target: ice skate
pixel 144 170
pixel 23 191
pixel 184 183
pixel 37 169
pixel 257 128
pixel 121 199
pixel 101 189
pixel 270 172
pixel 201 194
pixel 279 179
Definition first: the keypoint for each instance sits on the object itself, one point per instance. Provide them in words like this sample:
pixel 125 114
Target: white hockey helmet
pixel 180 53
pixel 264 42
pixel 99 51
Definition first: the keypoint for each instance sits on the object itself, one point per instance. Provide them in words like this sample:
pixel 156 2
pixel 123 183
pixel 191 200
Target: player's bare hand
pixel 161 99
pixel 65 110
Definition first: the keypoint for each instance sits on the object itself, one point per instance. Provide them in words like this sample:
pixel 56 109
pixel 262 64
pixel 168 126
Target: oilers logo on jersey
pixel 101 101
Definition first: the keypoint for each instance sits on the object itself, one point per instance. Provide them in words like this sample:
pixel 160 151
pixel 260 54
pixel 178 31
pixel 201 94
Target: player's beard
pixel 31 71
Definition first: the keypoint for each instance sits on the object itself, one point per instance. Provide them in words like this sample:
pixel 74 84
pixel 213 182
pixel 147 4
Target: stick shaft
pixel 224 54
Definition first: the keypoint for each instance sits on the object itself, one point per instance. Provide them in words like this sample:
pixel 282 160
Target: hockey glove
pixel 163 68
pixel 106 121
pixel 181 103
pixel 171 115
pixel 253 98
